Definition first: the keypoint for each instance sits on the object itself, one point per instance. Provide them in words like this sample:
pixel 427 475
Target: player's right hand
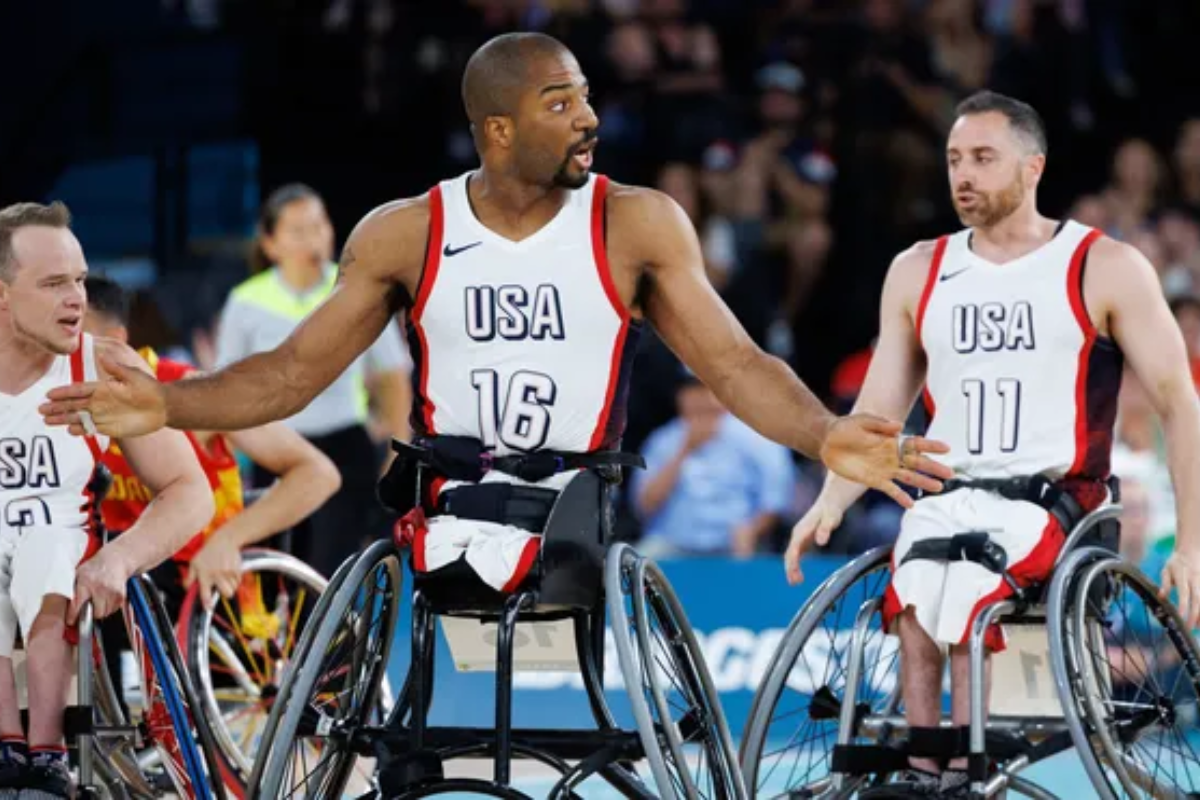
pixel 815 526
pixel 126 402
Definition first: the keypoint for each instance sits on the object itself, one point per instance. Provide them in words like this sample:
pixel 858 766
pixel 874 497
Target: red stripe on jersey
pixel 433 259
pixel 600 257
pixel 1075 294
pixel 78 375
pixel 935 266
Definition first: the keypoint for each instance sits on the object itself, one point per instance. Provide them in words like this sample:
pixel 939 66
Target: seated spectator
pixel 712 486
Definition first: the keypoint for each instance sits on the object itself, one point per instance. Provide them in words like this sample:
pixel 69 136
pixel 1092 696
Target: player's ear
pixel 499 130
pixel 1035 165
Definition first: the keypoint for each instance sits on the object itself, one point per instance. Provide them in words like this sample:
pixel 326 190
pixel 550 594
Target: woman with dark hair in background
pixel 293 271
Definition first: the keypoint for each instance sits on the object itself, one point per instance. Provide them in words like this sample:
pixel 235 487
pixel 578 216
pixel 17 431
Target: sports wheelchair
pixel 1095 660
pixel 328 716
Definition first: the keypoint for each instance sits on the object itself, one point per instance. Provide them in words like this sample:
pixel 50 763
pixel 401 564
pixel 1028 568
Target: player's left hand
pixel 1182 573
pixel 218 566
pixel 101 581
pixel 865 449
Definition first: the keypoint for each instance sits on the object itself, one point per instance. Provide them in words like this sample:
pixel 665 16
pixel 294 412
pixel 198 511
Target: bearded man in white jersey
pixel 1017 326
pixel 47 486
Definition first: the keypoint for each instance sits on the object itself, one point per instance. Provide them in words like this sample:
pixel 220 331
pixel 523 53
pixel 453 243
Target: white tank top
pixel 523 345
pixel 1019 381
pixel 44 470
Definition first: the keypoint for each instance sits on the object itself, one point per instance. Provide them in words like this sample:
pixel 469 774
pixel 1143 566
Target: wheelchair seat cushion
pixel 503 535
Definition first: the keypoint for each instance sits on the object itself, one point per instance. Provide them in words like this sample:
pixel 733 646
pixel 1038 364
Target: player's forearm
pixel 299 492
pixel 245 394
pixel 764 393
pixel 177 513
pixel 1181 426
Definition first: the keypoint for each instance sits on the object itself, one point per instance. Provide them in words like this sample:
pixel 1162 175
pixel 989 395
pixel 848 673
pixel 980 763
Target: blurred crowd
pixel 804 138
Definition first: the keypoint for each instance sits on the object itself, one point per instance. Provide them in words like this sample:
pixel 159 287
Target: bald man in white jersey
pixel 1017 326
pixel 526 283
pixel 47 481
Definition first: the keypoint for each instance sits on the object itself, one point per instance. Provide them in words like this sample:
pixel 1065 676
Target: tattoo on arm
pixel 345 263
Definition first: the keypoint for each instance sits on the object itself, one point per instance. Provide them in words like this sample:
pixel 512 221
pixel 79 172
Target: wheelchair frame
pixel 1041 737
pixel 97 721
pixel 567 583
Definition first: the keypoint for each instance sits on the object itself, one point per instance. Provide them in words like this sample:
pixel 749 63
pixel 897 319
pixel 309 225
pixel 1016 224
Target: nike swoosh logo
pixel 449 251
pixel 948 275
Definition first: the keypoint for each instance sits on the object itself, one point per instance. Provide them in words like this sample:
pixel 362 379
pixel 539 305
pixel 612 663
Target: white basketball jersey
pixel 523 345
pixel 44 470
pixel 1019 381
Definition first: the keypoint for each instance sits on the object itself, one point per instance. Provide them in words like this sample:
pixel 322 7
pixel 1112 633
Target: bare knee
pixel 52 616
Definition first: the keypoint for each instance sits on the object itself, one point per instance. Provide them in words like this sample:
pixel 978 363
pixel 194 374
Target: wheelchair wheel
pixel 793 725
pixel 239 649
pixel 1132 673
pixel 678 712
pixel 173 720
pixel 334 688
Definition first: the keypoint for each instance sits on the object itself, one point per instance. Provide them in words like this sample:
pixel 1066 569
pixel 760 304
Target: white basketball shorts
pixel 946 597
pixel 35 562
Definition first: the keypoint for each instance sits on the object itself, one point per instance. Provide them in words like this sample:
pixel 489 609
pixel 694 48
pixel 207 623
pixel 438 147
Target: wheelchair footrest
pixel 940 744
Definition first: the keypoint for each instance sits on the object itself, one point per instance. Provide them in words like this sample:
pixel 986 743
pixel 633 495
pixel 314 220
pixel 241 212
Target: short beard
pixel 991 211
pixel 563 178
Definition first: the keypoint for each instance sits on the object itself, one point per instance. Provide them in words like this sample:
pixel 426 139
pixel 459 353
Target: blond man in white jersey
pixel 1017 327
pixel 46 492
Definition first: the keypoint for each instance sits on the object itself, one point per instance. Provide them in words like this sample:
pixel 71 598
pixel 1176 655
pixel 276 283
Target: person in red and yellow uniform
pixel 213 557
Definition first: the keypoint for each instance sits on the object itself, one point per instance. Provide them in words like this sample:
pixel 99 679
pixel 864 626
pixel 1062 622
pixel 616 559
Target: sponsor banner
pixel 738 609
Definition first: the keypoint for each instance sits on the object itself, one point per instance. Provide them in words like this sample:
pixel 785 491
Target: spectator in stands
pixel 294 274
pixel 712 486
pixel 1186 158
pixel 780 201
pixel 1135 189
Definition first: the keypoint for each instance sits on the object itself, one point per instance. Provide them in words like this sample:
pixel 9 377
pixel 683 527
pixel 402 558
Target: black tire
pixel 288 721
pixel 840 596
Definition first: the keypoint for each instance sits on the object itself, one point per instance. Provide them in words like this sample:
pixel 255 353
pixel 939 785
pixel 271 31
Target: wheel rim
pixel 253 641
pixel 793 724
pixel 1140 698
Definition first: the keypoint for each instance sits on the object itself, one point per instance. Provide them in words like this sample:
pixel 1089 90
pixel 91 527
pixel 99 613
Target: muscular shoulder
pixel 117 352
pixel 640 210
pixel 389 242
pixel 908 274
pixel 1117 275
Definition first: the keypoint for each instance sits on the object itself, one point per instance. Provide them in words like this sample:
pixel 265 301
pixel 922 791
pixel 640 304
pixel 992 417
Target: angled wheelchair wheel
pixel 173 720
pixel 333 688
pixel 801 703
pixel 239 650
pixel 677 709
pixel 1132 672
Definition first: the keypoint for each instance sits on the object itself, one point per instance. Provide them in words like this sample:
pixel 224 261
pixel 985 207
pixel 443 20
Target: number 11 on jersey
pixel 1008 391
pixel 523 421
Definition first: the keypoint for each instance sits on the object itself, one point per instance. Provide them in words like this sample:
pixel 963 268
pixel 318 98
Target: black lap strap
pixel 1036 489
pixel 976 546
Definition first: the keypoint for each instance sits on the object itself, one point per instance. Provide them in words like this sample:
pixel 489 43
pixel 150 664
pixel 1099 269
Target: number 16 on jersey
pixel 522 423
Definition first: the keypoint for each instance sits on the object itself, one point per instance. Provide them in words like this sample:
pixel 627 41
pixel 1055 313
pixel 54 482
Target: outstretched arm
pixel 757 387
pixel 276 384
pixel 1125 284
pixel 688 314
pixel 382 260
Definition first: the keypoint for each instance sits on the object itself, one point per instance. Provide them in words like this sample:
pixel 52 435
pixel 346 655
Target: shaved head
pixel 498 71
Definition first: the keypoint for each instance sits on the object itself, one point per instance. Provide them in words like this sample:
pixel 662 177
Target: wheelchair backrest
pixel 575 540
